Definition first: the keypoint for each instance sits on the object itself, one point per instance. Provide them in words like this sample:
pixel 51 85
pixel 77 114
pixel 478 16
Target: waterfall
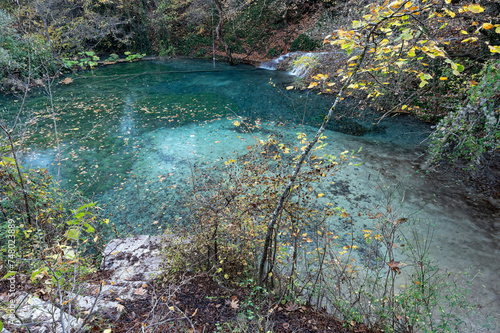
pixel 305 61
pixel 273 64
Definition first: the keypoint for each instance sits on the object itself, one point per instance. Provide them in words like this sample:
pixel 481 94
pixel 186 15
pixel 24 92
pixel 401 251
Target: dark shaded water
pixel 131 135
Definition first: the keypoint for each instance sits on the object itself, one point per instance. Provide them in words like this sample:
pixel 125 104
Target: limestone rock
pixel 133 259
pixel 90 303
pixel 41 316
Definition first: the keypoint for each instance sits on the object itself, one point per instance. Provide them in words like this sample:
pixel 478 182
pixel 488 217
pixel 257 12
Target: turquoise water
pixel 132 134
pixel 109 127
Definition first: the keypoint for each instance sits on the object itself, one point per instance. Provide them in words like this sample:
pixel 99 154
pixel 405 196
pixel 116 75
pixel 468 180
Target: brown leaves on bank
pixel 203 305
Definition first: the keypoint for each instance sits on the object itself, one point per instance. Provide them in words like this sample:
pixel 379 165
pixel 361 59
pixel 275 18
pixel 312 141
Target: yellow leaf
pixel 353 58
pixel 320 195
pixel 463 32
pixel 475 8
pixel 472 39
pixel 236 123
pixel 494 49
pixel 226 276
pixel 487 26
pixel 395 4
pixel 443 78
pixel 289 88
pixel 312 85
pixel 107 330
pixel 449 12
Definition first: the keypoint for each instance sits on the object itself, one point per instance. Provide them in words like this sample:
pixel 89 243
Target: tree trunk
pixel 267 251
pixel 219 32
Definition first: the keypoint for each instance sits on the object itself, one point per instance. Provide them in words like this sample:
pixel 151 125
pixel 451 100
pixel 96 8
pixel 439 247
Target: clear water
pixel 132 134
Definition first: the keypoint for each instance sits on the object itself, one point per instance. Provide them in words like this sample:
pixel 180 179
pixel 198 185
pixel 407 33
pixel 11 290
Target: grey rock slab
pixel 133 259
pixel 130 290
pixel 41 316
pixel 90 303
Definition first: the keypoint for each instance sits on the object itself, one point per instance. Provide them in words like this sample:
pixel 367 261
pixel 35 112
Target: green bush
pixel 46 221
pixel 20 55
pixel 304 43
pixel 274 52
pixel 473 130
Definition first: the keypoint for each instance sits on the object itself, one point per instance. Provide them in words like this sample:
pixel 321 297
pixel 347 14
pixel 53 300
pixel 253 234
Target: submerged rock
pixel 348 127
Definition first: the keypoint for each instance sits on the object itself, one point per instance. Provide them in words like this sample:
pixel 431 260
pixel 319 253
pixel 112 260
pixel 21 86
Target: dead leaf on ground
pixel 291 306
pixel 234 304
pixel 140 291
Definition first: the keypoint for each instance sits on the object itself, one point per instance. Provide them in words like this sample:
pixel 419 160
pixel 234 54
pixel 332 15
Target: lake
pixel 132 134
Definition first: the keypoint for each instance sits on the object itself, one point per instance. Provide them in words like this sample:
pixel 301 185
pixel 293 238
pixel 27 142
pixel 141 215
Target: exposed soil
pixel 202 305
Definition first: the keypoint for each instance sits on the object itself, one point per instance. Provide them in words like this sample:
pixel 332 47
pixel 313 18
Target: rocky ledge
pixel 129 265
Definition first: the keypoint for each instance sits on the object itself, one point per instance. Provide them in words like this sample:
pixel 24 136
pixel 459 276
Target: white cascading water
pixel 300 69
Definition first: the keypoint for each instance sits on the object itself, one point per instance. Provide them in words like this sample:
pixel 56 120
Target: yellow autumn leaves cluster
pixel 399 36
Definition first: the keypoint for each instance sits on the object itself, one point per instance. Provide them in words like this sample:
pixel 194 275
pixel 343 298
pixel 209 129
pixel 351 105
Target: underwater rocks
pixel 354 128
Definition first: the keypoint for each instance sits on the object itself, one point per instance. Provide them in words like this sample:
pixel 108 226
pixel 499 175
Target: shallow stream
pixel 131 135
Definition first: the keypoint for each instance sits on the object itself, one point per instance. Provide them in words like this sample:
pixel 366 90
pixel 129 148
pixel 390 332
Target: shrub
pixel 474 129
pixel 15 51
pixel 304 43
